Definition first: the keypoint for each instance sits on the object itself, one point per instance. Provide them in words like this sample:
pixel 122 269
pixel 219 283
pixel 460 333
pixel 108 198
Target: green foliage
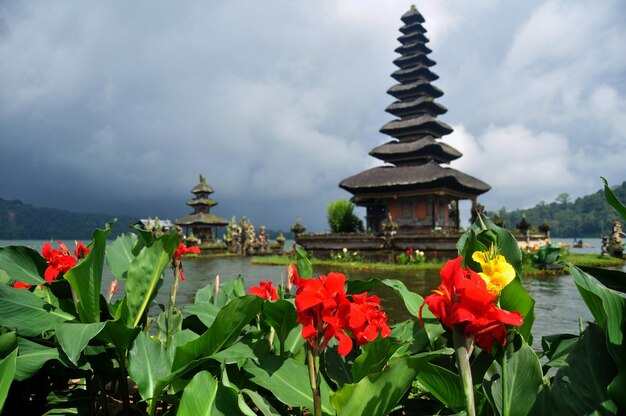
pixel 341 217
pixel 587 216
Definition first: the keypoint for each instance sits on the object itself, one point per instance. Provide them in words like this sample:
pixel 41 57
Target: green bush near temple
pixel 341 217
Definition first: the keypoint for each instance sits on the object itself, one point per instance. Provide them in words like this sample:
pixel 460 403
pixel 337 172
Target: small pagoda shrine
pixel 413 189
pixel 201 224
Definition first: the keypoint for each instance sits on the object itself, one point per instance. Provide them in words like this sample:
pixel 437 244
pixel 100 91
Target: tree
pixel 563 198
pixel 341 217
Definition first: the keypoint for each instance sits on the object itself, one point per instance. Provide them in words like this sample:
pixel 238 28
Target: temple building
pixel 413 188
pixel 201 223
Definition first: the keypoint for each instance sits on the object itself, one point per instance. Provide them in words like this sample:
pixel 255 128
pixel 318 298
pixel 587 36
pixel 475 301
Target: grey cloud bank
pixel 117 107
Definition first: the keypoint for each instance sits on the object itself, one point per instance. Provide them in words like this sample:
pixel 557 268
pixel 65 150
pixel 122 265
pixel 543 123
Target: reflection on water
pixel 557 310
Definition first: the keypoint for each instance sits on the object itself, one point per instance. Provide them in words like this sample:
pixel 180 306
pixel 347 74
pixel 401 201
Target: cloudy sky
pixel 117 106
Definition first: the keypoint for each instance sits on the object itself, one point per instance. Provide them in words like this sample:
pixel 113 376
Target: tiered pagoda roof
pixel 201 205
pixel 416 151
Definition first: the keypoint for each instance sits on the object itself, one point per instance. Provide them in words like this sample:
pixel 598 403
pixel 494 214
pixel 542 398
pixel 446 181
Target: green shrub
pixel 341 217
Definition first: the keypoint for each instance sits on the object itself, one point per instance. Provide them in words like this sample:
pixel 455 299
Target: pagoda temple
pixel 413 189
pixel 201 223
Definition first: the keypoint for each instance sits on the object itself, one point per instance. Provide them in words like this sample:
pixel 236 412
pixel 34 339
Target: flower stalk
pixel 461 348
pixel 314 377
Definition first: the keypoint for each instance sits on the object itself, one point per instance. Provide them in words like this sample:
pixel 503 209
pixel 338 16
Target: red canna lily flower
pixel 177 257
pixel 292 275
pixel 59 261
pixel 366 319
pixel 81 251
pixel 462 299
pixel 265 290
pixel 21 285
pixel 409 251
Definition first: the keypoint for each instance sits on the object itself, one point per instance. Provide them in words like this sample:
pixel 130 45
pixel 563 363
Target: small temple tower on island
pixel 201 223
pixel 414 190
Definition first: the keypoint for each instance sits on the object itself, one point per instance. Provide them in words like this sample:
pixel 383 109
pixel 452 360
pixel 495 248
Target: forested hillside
pixel 26 222
pixel 589 216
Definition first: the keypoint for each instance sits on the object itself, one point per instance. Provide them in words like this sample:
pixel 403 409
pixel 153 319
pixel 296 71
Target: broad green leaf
pixel 147 362
pixel 557 347
pixel 205 311
pixel 580 387
pixel 613 279
pixel 515 298
pixel 259 401
pixel 444 385
pixel 144 274
pixel 86 278
pixel 280 315
pixel 377 394
pixel 225 330
pixel 335 367
pixel 23 264
pixel 8 342
pixel 199 396
pixel 74 337
pixel 524 378
pixel 169 324
pixel 305 268
pixel 28 314
pixel 468 244
pixel 374 357
pixel 119 255
pixel 31 357
pixel 7 372
pixel 612 199
pixel 239 351
pixel 117 333
pixel 288 380
pixel 607 307
pixel 414 336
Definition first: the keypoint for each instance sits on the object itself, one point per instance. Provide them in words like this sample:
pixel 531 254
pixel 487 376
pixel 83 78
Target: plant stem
pixel 124 380
pixel 170 309
pixel 313 376
pixel 462 360
pixel 506 404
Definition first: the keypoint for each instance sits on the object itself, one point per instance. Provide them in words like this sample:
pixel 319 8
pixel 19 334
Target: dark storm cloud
pixel 117 107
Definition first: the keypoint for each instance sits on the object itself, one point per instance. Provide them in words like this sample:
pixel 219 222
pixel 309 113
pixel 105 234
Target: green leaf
pixel 86 278
pixel 280 315
pixel 225 330
pixel 557 348
pixel 119 255
pixel 612 200
pixel 117 333
pixel 613 279
pixel 374 357
pixel 199 395
pixel 607 307
pixel 335 367
pixel 205 311
pixel 144 274
pixel 147 362
pixel 515 298
pixel 74 337
pixel 8 342
pixel 237 352
pixel 28 314
pixel 305 268
pixel 288 380
pixel 580 388
pixel 444 385
pixel 23 264
pixel 259 401
pixel 7 372
pixel 524 378
pixel 31 357
pixel 377 394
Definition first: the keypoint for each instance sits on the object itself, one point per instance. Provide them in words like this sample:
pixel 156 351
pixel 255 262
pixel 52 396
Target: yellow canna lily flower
pixel 497 273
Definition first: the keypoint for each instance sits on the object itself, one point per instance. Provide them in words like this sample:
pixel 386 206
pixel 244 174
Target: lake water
pixel 558 305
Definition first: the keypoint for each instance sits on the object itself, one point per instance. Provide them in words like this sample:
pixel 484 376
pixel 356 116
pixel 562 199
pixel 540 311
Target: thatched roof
pixel 409 90
pixel 413 27
pixel 202 218
pixel 407 152
pixel 416 106
pixel 201 201
pixel 413 47
pixel 202 187
pixel 406 61
pixel 417 126
pixel 431 175
pixel 412 16
pixel 414 73
pixel 413 37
